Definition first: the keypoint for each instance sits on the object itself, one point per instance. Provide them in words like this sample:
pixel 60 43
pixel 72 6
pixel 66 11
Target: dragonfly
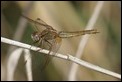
pixel 48 37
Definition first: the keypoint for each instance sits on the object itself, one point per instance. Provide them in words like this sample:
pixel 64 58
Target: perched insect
pixel 51 38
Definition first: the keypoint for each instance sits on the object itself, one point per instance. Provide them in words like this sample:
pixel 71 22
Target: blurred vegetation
pixel 103 49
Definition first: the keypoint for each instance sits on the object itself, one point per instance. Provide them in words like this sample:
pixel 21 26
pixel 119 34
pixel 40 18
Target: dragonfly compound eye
pixel 35 37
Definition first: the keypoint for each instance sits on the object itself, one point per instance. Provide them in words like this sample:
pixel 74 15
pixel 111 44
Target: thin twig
pixel 83 41
pixel 66 57
pixel 21 26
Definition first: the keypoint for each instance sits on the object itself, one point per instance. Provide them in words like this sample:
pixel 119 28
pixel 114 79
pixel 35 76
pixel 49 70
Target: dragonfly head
pixel 35 36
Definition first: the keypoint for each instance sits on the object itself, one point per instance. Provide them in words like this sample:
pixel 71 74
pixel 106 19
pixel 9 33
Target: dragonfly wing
pixel 39 24
pixel 55 45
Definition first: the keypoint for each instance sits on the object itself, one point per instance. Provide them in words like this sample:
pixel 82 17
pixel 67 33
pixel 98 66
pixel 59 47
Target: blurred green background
pixel 103 49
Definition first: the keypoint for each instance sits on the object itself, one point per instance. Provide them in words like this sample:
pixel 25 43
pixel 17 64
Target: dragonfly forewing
pixel 39 24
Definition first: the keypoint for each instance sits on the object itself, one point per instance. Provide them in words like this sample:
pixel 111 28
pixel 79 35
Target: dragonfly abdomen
pixel 64 34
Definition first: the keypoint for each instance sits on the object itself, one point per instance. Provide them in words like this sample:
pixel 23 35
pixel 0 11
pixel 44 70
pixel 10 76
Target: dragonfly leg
pixel 33 43
pixel 50 45
pixel 40 45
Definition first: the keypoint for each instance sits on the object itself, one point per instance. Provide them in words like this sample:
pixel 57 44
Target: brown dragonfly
pixel 47 37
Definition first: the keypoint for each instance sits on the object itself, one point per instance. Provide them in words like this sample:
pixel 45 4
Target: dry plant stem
pixel 21 26
pixel 90 25
pixel 66 57
pixel 28 65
